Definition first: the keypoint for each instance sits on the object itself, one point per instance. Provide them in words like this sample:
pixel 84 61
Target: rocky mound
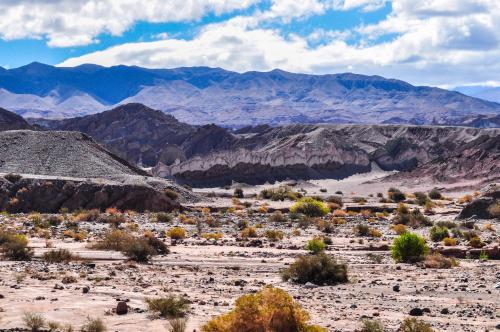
pixel 58 153
pixel 12 121
pixel 481 206
pixel 337 151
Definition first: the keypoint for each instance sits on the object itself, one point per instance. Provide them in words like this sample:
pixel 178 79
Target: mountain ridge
pixel 203 95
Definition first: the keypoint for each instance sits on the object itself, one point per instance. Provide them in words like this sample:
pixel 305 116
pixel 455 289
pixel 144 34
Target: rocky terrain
pixel 201 95
pixel 12 121
pixel 214 260
pixel 336 151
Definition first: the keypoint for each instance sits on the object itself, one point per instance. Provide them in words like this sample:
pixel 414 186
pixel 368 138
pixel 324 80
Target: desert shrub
pixel 409 248
pixel 421 198
pixel 310 207
pixel 15 247
pixel 163 217
pixel 335 199
pixel 249 232
pixel 413 218
pixel 238 193
pixel 371 325
pixel 242 224
pixel 173 195
pixel 177 324
pixel 274 235
pixel 399 229
pixel 327 240
pixel 93 325
pixel 362 230
pixel 438 261
pixel 396 195
pixel 33 321
pixel 138 250
pixel 280 194
pixel 54 220
pixel 159 247
pixel 465 199
pixel 475 242
pixel 438 233
pixel 447 224
pixel 277 216
pixel 449 241
pixel 114 240
pixel 435 194
pixel 315 246
pixel 212 236
pixel 320 269
pixel 58 256
pixel 87 215
pixel 114 219
pixel 494 210
pixel 75 235
pixel 270 309
pixel 170 306
pixel 176 233
pixel 415 325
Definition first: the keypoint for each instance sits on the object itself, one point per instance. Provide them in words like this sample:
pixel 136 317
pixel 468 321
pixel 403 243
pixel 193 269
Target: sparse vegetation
pixel 15 247
pixel 270 309
pixel 277 216
pixel 438 261
pixel 34 321
pixel 274 235
pixel 315 246
pixel 494 210
pixel 93 325
pixel 280 194
pixel 396 195
pixel 320 269
pixel 58 256
pixel 163 217
pixel 176 233
pixel 435 194
pixel 371 325
pixel 409 248
pixel 438 233
pixel 415 325
pixel 413 218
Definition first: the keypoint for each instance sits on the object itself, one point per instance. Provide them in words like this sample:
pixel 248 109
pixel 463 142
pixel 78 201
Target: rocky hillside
pixel 12 121
pixel 329 151
pixel 201 95
pixel 145 136
pixel 70 170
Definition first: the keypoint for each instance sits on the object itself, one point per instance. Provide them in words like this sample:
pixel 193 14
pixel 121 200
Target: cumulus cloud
pixel 78 22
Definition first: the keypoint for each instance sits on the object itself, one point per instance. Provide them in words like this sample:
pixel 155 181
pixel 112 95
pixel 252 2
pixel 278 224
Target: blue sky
pixel 441 42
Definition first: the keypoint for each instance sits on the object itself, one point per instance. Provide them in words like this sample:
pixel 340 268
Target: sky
pixel 443 43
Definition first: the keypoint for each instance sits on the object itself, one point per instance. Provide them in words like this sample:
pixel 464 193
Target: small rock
pixel 416 312
pixel 121 308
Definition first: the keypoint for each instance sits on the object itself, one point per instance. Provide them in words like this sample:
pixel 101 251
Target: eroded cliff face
pixel 338 151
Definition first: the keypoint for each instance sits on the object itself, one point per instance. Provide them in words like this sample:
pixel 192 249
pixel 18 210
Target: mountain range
pixel 201 95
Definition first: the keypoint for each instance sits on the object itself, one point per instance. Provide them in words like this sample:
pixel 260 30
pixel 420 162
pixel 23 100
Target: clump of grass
pixel 476 242
pixel 310 207
pixel 87 215
pixel 58 256
pixel 280 194
pixel 163 217
pixel 371 325
pixel 171 194
pixel 270 309
pixel 34 321
pixel 435 194
pixel 449 241
pixel 93 325
pixel 409 248
pixel 170 306
pixel 399 229
pixel 274 235
pixel 177 324
pixel 212 236
pixel 249 232
pixel 320 269
pixel 364 230
pixel 494 210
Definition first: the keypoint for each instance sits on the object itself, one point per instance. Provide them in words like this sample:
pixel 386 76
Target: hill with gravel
pixel 12 121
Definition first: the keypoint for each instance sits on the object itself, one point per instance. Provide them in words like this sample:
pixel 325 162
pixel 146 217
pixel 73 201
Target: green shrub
pixel 413 218
pixel 310 207
pixel 315 246
pixel 435 194
pixel 396 195
pixel 280 194
pixel 277 216
pixel 58 256
pixel 170 306
pixel 171 194
pixel 139 250
pixel 177 233
pixel 438 233
pixel 274 235
pixel 319 269
pixel 409 248
pixel 270 309
pixel 415 325
pixel 421 198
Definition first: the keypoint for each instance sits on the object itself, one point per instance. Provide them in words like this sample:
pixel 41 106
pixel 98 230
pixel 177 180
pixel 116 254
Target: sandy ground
pixel 213 274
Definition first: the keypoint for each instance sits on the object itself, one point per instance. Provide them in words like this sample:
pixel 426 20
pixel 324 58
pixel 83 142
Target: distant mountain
pixel 12 121
pixel 201 95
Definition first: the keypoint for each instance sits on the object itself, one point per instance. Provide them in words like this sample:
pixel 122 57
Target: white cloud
pixel 78 22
